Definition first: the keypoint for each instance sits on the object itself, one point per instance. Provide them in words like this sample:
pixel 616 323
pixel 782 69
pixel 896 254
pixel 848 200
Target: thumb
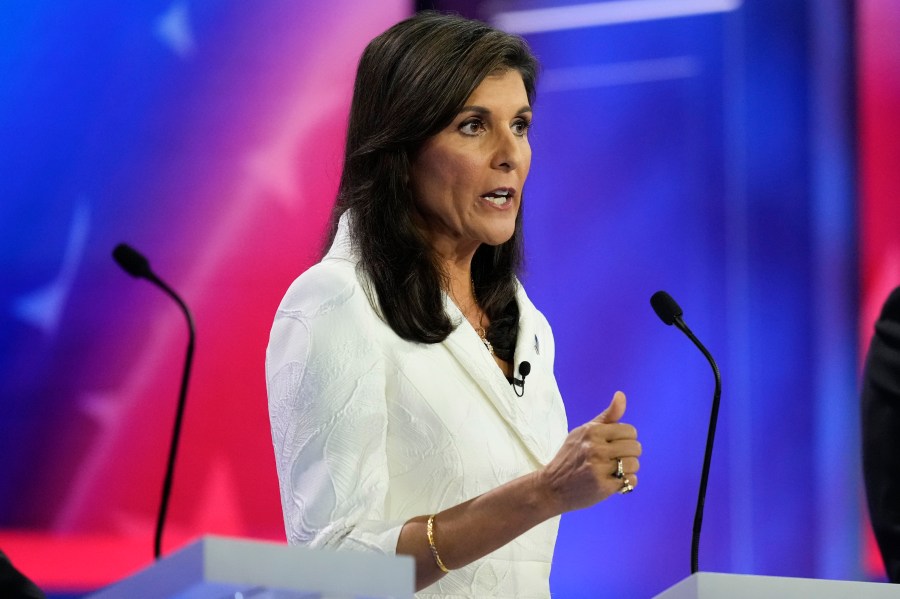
pixel 615 410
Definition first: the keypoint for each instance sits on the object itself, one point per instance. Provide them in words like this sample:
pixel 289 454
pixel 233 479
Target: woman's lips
pixel 500 197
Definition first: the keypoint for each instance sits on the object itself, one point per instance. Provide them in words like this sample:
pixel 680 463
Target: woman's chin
pixel 498 237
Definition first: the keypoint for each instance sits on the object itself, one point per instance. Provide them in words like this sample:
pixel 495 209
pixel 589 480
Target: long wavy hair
pixel 411 82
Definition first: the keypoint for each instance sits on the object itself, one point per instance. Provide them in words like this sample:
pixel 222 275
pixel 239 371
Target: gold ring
pixel 620 469
pixel 627 487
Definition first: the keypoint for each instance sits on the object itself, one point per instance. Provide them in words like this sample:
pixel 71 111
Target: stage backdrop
pixel 702 147
pixel 209 136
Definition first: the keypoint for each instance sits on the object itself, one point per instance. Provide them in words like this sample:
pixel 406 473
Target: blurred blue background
pixel 704 148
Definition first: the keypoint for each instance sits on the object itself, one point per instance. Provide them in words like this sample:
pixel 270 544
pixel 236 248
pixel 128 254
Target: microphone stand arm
pixel 179 414
pixel 707 457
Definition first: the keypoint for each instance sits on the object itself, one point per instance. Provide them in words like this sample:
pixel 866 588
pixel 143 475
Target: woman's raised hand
pixel 586 469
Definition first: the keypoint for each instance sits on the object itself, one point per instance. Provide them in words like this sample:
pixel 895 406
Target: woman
pixel 402 417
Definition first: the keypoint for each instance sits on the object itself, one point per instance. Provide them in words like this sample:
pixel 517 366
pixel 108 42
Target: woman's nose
pixel 508 153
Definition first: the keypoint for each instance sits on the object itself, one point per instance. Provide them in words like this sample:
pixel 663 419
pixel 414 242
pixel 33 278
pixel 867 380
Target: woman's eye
pixel 472 127
pixel 521 128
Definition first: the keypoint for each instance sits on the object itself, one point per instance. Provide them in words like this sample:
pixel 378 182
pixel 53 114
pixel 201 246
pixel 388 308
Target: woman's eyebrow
pixel 482 110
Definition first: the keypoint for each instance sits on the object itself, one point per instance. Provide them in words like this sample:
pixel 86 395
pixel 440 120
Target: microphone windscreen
pixel 132 261
pixel 665 307
pixel 524 369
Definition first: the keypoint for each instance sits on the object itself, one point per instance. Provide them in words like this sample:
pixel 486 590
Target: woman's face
pixel 467 179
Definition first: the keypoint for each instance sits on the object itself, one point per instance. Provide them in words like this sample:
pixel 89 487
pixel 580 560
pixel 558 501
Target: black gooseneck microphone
pixel 137 265
pixel 524 370
pixel 670 313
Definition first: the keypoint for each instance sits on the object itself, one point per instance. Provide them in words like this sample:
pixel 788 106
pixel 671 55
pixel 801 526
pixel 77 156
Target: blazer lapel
pixel 466 347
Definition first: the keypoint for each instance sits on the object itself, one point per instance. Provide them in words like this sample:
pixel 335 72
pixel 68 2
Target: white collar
pixel 342 246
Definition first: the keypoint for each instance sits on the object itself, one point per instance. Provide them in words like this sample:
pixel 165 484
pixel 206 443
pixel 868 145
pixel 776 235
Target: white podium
pixel 223 568
pixel 709 585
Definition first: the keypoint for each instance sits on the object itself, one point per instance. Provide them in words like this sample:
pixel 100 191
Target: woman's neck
pixel 461 290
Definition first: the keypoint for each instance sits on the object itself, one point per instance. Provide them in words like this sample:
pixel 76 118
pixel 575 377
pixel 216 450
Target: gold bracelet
pixel 429 530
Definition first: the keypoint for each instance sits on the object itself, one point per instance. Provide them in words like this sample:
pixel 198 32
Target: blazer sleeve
pixel 881 433
pixel 328 412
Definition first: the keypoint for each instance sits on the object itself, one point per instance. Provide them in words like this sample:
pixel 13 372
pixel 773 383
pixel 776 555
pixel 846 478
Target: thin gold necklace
pixel 480 328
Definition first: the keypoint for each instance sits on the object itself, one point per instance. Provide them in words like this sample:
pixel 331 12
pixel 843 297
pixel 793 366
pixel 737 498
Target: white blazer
pixel 371 430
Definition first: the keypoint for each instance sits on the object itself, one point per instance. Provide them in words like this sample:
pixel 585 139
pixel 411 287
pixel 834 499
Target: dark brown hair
pixel 411 82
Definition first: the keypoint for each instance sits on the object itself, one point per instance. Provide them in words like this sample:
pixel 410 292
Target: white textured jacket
pixel 371 430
